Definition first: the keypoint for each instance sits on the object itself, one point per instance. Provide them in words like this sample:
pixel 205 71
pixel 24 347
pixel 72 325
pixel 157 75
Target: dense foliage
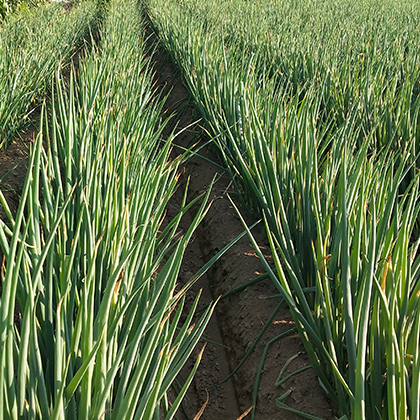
pixel 8 7
pixel 92 321
pixel 314 106
pixel 33 45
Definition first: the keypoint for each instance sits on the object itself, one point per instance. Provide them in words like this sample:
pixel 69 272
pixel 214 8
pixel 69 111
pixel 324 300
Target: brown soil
pixel 238 319
pixel 14 165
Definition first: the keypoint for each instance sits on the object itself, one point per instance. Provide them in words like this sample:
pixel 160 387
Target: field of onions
pixel 33 44
pixel 92 324
pixel 314 108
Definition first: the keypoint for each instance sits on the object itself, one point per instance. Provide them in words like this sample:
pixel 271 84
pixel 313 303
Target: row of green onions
pixel 93 324
pixel 33 44
pixel 314 110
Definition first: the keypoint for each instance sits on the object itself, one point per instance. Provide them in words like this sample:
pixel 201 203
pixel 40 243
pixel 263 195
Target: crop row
pixel 314 108
pixel 33 44
pixel 93 325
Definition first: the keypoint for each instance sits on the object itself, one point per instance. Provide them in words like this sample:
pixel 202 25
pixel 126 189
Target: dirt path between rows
pixel 238 319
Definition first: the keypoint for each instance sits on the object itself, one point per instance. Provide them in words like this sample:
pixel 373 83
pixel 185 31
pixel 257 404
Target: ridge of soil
pixel 237 320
